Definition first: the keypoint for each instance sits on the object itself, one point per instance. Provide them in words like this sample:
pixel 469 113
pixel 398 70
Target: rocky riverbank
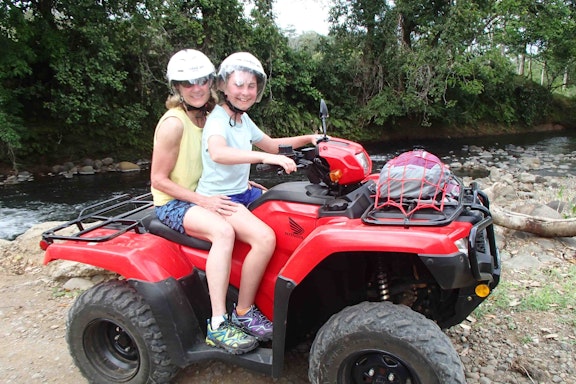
pixel 71 169
pixel 504 341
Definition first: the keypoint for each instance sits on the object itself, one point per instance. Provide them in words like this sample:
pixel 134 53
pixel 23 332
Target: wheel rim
pixel 111 350
pixel 376 367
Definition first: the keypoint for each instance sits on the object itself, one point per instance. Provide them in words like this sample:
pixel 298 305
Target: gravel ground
pixel 516 346
pixel 497 345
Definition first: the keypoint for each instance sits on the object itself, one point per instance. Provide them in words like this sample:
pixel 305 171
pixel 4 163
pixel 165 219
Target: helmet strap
pixel 201 112
pixel 189 107
pixel 236 111
pixel 193 108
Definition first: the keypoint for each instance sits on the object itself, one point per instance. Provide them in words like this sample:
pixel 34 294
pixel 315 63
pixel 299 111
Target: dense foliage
pixel 86 78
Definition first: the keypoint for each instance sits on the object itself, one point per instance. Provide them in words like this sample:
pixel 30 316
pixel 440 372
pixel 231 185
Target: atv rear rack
pixel 122 213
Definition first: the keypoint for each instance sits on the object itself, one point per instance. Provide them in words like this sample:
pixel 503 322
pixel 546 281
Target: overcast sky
pixel 303 15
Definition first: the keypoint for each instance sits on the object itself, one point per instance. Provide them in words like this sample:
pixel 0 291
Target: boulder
pixel 86 170
pixel 127 166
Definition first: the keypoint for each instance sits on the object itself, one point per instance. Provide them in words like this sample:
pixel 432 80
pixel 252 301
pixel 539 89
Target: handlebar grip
pixel 267 168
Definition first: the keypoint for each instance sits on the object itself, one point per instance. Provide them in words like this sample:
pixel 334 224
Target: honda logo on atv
pixel 297 230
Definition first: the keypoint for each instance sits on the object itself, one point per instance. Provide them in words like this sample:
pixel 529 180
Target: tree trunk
pixel 540 226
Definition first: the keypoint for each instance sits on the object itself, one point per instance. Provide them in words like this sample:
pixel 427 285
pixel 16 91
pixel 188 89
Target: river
pixel 59 199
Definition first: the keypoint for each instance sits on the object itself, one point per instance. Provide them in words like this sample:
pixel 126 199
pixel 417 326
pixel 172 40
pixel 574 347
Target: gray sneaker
pixel 254 323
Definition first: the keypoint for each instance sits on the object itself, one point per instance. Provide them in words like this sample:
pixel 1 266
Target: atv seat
pixel 158 228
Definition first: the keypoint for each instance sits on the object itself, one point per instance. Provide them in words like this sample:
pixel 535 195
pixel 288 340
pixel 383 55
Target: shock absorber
pixel 382 281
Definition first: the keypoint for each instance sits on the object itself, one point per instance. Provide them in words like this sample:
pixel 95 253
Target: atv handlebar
pixel 301 158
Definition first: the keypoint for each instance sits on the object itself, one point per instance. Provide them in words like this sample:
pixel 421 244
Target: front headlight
pixel 462 245
pixel 364 163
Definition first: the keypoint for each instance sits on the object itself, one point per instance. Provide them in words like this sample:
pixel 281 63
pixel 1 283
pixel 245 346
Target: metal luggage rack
pixel 122 213
pixel 428 212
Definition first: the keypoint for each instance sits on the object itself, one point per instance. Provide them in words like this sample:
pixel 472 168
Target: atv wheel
pixel 383 343
pixel 113 337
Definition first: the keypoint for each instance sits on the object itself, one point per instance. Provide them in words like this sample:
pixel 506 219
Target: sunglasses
pixel 189 83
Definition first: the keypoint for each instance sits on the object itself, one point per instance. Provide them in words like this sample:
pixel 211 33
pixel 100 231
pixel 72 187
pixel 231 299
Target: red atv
pixel 374 278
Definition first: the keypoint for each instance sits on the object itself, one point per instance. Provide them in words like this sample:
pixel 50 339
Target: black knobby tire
pixel 113 337
pixel 383 343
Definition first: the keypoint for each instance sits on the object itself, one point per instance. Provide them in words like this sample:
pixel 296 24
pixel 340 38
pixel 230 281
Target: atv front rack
pixel 432 213
pixel 119 214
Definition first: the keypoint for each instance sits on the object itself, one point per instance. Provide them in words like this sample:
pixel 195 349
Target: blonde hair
pixel 175 100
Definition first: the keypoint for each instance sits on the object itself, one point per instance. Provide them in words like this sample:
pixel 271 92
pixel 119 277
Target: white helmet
pixel 246 62
pixel 189 65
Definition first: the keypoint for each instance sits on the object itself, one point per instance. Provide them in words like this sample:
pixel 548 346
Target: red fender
pixel 144 257
pixel 354 236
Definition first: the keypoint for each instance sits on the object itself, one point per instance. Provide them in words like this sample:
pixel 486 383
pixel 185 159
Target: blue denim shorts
pixel 172 214
pixel 247 196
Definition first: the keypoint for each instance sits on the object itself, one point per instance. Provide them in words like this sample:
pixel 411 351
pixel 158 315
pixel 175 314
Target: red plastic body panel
pixel 135 256
pixel 341 235
pixel 340 154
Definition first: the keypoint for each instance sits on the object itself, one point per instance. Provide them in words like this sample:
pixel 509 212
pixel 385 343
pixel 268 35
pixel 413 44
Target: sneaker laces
pixel 260 316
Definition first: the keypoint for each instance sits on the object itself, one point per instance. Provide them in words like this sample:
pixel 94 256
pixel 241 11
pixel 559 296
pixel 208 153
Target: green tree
pixel 421 63
pixel 68 89
pixel 92 93
pixel 544 31
pixel 19 65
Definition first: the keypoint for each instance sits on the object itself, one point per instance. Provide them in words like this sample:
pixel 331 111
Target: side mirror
pixel 323 109
pixel 323 116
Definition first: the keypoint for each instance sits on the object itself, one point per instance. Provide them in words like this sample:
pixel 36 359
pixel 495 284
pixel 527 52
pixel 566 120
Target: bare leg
pixel 262 240
pixel 203 223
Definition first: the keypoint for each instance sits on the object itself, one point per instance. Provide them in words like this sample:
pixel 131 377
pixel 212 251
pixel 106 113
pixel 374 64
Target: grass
pixel 555 291
pixel 61 292
pixel 569 210
pixel 556 294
